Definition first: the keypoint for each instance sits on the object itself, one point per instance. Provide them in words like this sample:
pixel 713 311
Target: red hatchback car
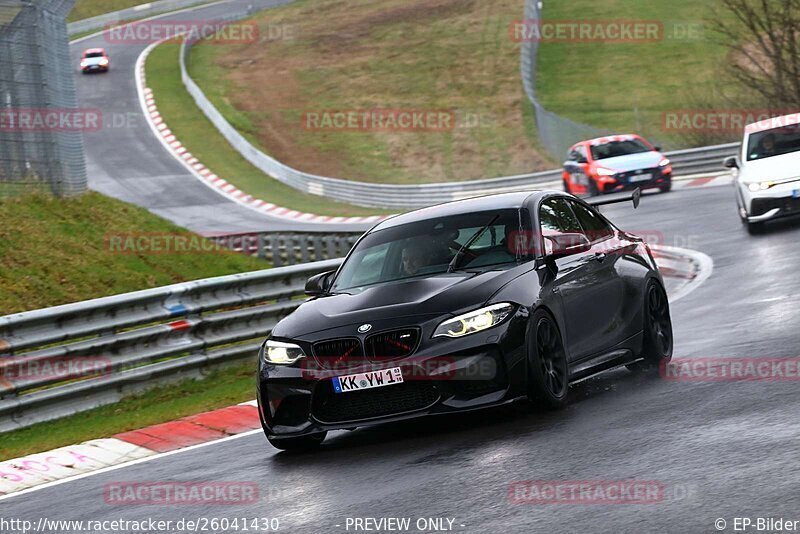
pixel 615 163
pixel 94 60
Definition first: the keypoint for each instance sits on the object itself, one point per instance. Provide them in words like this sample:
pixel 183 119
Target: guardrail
pixel 63 360
pixel 136 12
pixel 290 248
pixel 685 162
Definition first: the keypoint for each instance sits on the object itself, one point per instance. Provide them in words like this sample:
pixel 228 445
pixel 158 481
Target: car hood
pixel 777 168
pixel 91 60
pixel 632 162
pixel 437 295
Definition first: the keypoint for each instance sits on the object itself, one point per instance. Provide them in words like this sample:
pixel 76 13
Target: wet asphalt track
pixel 720 449
pixel 126 161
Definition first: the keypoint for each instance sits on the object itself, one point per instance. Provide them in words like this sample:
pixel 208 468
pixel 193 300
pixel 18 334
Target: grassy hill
pixel 628 86
pixel 59 251
pixel 333 55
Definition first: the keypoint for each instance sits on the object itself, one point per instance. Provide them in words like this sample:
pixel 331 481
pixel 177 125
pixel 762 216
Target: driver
pixel 767 145
pixel 412 260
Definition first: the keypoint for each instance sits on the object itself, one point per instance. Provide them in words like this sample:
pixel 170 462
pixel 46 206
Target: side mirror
pixel 319 285
pixel 657 148
pixel 563 245
pixel 730 162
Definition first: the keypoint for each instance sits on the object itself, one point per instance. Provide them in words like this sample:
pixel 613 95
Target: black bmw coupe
pixel 461 306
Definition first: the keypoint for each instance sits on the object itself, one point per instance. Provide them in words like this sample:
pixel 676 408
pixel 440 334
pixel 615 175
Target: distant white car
pixel 768 177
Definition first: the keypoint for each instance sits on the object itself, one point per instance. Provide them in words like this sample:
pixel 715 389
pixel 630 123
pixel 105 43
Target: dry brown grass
pixel 366 54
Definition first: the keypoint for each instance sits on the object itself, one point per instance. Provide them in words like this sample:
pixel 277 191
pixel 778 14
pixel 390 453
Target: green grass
pixel 628 86
pixel 205 142
pixel 55 251
pixel 85 9
pixel 221 388
pixel 392 54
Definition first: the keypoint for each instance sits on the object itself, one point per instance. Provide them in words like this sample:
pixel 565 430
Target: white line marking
pixel 127 464
pixel 705 267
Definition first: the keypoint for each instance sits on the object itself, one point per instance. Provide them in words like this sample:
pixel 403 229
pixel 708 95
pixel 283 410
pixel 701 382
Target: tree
pixel 764 39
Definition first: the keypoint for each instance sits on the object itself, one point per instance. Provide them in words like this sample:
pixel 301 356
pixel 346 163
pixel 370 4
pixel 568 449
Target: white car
pixel 768 177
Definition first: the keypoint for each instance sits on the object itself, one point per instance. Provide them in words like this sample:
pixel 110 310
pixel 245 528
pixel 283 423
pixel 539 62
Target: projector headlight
pixel 279 353
pixel 476 321
pixel 605 172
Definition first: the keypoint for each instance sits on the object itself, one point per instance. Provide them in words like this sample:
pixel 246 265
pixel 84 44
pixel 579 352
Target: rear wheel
pixel 658 341
pixel 299 443
pixel 548 373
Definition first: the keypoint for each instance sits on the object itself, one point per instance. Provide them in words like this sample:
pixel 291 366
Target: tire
pixel 755 228
pixel 566 187
pixel 301 443
pixel 666 188
pixel 548 372
pixel 658 339
pixel 594 191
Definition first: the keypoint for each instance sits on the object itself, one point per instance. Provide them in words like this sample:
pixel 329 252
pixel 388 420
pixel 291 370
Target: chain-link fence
pixel 41 141
pixel 556 133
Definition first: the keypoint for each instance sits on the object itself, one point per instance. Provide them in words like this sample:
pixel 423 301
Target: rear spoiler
pixel 635 197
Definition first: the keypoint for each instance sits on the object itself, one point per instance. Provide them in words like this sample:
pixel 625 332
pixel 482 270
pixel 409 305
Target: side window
pixel 581 151
pixel 594 226
pixel 556 217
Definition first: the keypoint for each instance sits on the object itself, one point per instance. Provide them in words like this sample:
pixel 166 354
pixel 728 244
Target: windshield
pixel 773 142
pixel 93 54
pixel 471 241
pixel 619 148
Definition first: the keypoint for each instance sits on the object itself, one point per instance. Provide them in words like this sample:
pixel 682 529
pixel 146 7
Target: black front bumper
pixel 442 376
pixel 788 206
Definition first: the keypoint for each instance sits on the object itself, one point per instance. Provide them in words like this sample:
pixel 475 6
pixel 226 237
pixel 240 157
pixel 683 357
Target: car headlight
pixel 475 321
pixel 760 186
pixel 605 172
pixel 664 162
pixel 279 353
pixel 103 62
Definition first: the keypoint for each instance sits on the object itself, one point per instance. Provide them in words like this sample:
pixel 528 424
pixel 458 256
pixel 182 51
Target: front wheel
pixel 658 341
pixel 566 186
pixel 548 373
pixel 299 443
pixel 666 188
pixel 594 191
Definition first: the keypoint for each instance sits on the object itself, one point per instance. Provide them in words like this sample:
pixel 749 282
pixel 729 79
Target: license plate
pixel 642 178
pixel 796 193
pixel 373 379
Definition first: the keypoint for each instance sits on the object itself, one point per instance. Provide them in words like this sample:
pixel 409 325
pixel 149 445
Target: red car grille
pixel 390 345
pixel 336 352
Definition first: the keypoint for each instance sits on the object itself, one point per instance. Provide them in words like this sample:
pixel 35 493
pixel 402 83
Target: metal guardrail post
pixel 140 338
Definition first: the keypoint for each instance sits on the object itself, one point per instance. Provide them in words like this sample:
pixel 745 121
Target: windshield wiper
pixel 454 262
